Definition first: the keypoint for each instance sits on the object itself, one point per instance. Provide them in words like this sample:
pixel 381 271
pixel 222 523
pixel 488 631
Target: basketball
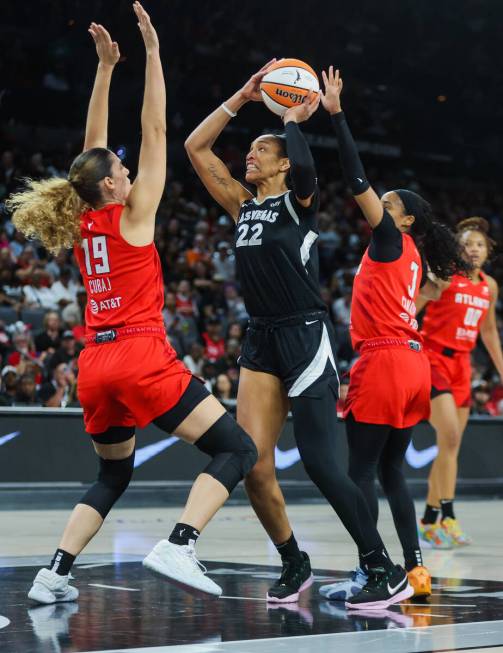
pixel 287 84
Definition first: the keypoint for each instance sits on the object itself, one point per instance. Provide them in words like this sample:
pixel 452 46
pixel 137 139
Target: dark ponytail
pixel 434 240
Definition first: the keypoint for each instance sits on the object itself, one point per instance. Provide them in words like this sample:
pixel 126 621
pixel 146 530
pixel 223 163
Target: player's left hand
pixel 302 112
pixel 108 50
pixel 146 28
pixel 331 99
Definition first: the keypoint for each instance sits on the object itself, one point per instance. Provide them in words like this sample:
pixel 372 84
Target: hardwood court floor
pixel 123 606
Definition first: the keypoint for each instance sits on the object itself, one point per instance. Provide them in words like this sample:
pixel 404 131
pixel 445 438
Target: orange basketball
pixel 287 84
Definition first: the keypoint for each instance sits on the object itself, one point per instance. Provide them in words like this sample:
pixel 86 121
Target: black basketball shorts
pixel 299 349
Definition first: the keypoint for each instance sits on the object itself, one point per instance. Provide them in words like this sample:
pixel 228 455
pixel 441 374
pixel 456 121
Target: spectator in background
pixel 17 244
pixel 8 386
pixel 341 313
pixel 194 360
pixel 50 338
pixel 58 263
pixel 181 329
pixel 61 389
pixel 65 289
pixel 185 302
pixel 26 394
pixel 235 331
pixel 23 346
pixel 481 395
pixel 235 305
pixel 224 261
pixel 229 362
pixel 26 264
pixel 223 388
pixel 38 294
pixel 170 314
pixel 67 352
pixel 214 344
pixel 74 314
pixel 198 252
pixel 11 292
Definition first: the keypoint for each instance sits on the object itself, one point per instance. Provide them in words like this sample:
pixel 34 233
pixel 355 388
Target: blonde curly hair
pixel 49 210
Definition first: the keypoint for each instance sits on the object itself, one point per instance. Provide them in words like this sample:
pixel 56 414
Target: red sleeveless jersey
pixel 384 295
pixel 454 320
pixel 123 282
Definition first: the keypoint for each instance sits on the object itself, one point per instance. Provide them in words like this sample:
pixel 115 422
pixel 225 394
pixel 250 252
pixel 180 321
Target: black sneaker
pixel 295 576
pixel 383 588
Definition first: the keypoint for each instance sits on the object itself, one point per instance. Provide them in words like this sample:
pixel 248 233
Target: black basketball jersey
pixel 276 256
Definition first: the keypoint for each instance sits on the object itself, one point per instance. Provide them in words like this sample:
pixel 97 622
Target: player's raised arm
pixel 302 168
pixel 352 167
pixel 138 218
pixel 97 113
pixel 212 171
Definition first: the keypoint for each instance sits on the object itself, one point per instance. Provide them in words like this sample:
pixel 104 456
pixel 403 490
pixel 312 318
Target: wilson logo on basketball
pixel 296 98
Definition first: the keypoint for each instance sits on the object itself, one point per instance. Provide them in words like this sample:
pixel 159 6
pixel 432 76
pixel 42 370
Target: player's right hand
pixel 251 90
pixel 107 50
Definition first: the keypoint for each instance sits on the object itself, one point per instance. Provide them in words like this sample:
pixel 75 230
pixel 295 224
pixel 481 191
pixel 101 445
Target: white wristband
pixel 230 113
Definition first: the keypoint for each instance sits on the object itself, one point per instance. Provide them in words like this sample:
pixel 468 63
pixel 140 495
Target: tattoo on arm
pixel 221 181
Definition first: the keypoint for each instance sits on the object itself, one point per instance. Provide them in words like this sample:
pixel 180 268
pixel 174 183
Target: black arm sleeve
pixel 302 170
pixel 352 168
pixel 386 242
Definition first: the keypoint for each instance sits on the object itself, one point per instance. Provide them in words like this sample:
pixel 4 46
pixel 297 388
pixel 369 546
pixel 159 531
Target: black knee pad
pixel 113 479
pixel 232 450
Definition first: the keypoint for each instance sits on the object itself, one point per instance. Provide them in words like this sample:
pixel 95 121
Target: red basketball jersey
pixel 384 295
pixel 454 320
pixel 123 282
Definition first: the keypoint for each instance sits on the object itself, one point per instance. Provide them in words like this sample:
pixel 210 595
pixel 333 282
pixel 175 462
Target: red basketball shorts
pixel 390 385
pixel 451 374
pixel 129 382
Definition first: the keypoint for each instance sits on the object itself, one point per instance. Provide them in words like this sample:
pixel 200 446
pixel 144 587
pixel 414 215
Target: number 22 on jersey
pixel 255 239
pixel 99 255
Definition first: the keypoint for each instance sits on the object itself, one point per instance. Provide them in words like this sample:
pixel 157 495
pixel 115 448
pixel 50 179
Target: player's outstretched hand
pixel 107 50
pixel 251 90
pixel 331 99
pixel 146 28
pixel 302 112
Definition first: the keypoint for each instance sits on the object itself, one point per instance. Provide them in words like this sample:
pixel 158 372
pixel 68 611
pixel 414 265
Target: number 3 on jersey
pixel 255 239
pixel 412 289
pixel 99 255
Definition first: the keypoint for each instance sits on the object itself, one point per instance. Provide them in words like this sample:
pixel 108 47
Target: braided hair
pixel 434 240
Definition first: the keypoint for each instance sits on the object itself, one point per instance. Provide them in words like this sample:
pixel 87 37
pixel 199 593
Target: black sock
pixel 413 558
pixel 62 562
pixel 376 558
pixel 183 534
pixel 289 549
pixel 447 506
pixel 431 514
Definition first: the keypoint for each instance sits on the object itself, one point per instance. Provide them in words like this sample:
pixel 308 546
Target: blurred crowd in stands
pixel 416 125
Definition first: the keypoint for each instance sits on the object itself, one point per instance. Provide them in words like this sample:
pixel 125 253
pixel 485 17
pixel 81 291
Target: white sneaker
pixel 49 587
pixel 179 562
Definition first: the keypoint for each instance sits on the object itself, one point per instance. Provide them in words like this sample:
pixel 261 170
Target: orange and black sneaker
pixel 420 579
